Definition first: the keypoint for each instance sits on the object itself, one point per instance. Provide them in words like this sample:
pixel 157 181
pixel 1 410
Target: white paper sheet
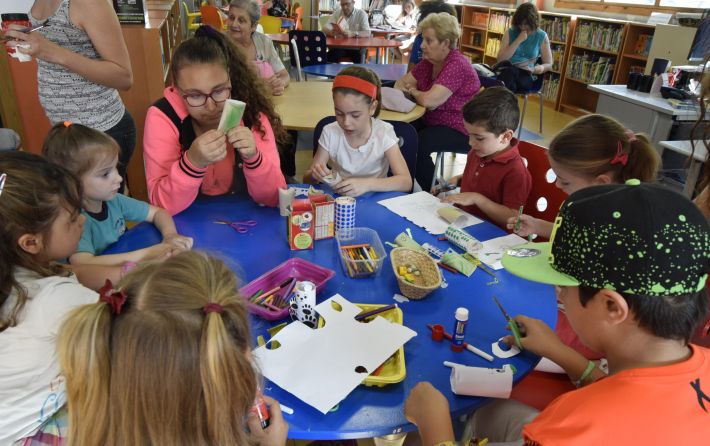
pixel 421 209
pixel 492 250
pixel 318 366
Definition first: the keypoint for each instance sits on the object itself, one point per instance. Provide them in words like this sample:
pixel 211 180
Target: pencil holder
pixel 417 274
pixel 360 251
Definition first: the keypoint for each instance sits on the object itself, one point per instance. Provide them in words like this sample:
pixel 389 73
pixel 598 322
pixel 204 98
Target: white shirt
pixel 357 22
pixel 31 386
pixel 366 161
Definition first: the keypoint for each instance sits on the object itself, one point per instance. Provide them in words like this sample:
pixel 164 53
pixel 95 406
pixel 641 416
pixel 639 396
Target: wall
pixel 15 6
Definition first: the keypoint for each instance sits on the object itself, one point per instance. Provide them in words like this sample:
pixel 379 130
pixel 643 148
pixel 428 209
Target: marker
pixel 286 409
pixel 467 346
pixel 517 221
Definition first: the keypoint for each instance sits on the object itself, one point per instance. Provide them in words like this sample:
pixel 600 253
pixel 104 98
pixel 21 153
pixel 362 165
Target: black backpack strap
pixel 184 126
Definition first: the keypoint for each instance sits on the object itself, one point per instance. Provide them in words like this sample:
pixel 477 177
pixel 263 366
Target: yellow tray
pixel 393 370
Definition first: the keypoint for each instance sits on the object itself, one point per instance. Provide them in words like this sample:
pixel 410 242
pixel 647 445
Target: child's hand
pixel 207 149
pixel 242 139
pixel 352 187
pixel 319 170
pixel 277 431
pixel 528 225
pixel 161 251
pixel 179 242
pixel 464 199
pixel 536 336
pixel 423 401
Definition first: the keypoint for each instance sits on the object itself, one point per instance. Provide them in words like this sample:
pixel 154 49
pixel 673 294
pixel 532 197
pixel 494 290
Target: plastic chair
pixel 211 16
pixel 545 198
pixel 295 59
pixel 298 15
pixel 408 141
pixel 193 18
pixel 307 48
pixel 270 25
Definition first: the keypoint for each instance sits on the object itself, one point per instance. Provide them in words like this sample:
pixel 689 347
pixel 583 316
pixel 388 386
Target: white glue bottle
pixel 460 321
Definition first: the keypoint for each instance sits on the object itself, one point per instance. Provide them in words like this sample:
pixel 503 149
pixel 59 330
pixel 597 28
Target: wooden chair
pixel 408 141
pixel 213 17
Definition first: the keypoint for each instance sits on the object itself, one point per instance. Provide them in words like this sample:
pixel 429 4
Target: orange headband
pixel 357 84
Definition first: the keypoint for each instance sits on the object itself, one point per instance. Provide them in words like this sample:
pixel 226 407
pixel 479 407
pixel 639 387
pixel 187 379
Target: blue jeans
pixel 125 135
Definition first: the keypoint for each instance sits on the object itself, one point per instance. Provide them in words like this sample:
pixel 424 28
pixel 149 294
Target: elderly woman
pixel 520 49
pixel 442 83
pixel 242 19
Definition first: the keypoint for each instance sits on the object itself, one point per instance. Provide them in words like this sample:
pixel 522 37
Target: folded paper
pixel 481 381
pixel 422 209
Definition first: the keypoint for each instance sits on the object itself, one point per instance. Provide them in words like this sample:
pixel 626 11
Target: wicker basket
pixel 426 282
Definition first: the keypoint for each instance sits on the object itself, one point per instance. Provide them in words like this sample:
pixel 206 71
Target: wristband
pixel 587 372
pixel 127 267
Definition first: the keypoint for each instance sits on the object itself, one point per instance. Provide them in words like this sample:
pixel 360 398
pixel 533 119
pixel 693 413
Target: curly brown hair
pixel 526 14
pixel 209 46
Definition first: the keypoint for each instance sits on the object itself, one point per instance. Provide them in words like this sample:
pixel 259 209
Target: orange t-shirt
pixel 650 406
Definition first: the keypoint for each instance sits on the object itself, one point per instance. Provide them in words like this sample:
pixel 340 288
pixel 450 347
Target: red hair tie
pixel 357 84
pixel 620 157
pixel 113 297
pixel 213 308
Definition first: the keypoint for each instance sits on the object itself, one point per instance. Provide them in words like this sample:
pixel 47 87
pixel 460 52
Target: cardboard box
pixel 324 209
pixel 301 225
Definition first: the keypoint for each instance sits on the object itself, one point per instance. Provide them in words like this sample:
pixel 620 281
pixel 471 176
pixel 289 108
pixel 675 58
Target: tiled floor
pixel 553 122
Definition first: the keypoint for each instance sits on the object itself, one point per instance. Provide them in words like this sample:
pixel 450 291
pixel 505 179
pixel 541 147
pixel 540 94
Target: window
pixel 639 7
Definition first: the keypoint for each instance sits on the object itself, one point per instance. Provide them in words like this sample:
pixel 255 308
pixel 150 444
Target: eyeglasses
pixel 3 177
pixel 200 99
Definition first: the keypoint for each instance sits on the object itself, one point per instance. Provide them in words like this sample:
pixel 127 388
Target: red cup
pixel 14 19
pixel 437 332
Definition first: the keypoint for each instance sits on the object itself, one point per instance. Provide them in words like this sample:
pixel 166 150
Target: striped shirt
pixel 64 94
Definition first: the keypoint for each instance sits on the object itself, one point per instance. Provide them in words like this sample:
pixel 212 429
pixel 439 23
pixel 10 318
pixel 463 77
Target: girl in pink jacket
pixel 185 154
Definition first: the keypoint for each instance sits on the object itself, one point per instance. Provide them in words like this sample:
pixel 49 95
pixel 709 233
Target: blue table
pixel 386 72
pixel 368 411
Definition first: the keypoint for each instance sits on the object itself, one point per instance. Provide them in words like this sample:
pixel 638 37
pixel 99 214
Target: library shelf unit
pixel 559 29
pixel 474 32
pixel 634 54
pixel 593 58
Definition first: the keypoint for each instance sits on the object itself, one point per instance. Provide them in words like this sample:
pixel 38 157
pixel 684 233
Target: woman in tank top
pixel 82 62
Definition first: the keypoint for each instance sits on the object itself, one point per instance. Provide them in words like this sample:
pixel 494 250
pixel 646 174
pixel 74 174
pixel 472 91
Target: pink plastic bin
pixel 296 267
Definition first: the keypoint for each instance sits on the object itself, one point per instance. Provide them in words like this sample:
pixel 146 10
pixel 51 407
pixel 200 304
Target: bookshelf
pixel 498 24
pixel 592 58
pixel 474 32
pixel 634 54
pixel 559 28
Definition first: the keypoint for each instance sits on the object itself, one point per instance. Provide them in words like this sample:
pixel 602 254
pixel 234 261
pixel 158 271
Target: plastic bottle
pixel 460 321
pixel 261 410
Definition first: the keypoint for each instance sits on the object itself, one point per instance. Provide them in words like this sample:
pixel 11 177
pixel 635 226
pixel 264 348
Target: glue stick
pixel 460 321
pixel 261 410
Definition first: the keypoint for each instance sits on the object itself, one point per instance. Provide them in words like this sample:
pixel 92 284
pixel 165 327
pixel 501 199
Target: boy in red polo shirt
pixel 495 182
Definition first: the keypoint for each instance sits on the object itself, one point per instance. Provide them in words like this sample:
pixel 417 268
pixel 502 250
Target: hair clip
pixel 620 157
pixel 213 308
pixel 113 297
pixel 67 124
pixel 206 31
pixel 3 177
pixel 630 135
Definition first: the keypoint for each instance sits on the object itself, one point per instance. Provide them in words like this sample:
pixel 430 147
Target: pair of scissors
pixel 514 327
pixel 241 227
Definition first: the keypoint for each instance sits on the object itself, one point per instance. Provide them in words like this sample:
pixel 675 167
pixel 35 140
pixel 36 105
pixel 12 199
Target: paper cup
pixel 344 213
pixel 302 307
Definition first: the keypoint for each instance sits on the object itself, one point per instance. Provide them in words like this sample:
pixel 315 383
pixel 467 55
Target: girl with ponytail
pixel 186 154
pixel 165 359
pixel 594 149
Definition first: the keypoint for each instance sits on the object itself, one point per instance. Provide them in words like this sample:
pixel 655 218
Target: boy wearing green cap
pixel 629 262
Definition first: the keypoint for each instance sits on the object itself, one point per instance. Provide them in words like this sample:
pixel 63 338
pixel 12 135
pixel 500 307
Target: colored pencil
pixel 447 267
pixel 376 311
pixel 276 288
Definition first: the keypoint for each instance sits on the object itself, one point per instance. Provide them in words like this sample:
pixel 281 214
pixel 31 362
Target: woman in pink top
pixel 443 82
pixel 185 154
